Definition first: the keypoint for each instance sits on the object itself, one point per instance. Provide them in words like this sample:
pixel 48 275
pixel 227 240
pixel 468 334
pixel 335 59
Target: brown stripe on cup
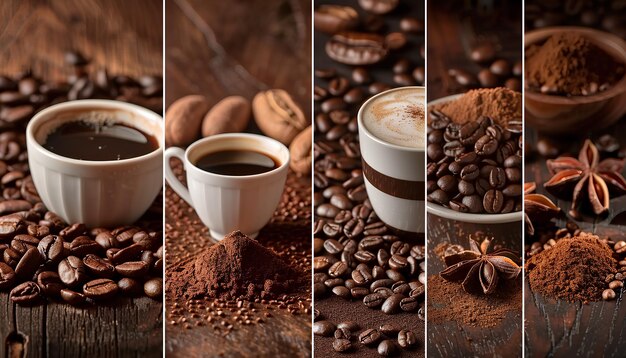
pixel 399 188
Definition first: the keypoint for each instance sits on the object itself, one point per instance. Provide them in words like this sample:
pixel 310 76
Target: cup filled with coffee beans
pixel 97 162
pixel 391 135
pixel 234 180
pixel 474 155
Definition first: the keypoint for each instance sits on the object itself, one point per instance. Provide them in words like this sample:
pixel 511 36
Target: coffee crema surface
pixel 397 117
pixel 99 141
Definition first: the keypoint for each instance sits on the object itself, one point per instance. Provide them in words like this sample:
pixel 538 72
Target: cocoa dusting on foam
pixel 236 267
pixel 500 104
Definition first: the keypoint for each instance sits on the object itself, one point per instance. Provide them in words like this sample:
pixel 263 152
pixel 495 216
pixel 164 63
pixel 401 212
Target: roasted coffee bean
pixel 73 298
pixel 83 245
pixel 395 41
pixel 379 7
pixel 493 201
pixel 341 291
pixel 333 246
pixel 7 276
pixel 153 288
pixel 50 283
pixel 483 53
pixel 28 264
pixel 410 24
pixel 608 294
pixel 392 304
pixel 26 294
pixel 338 269
pixel 132 269
pixel 325 73
pixel 129 287
pixel 106 240
pixel 362 275
pixel 22 243
pixel 389 329
pixel 364 256
pixel 398 262
pixel 354 48
pixel 417 292
pixel 373 300
pixel 73 231
pixel 401 287
pixel 400 248
pixel 342 345
pixel 323 328
pixel 387 348
pixel 377 87
pixel 369 337
pixel 11 257
pixel 333 104
pixel 409 304
pixel 359 292
pixel 126 254
pixel 100 289
pixel 72 271
pixel 334 18
pixel 407 339
pixel 99 267
pixel 501 68
pixel 487 78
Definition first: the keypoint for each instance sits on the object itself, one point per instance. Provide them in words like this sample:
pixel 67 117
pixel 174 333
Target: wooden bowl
pixel 577 114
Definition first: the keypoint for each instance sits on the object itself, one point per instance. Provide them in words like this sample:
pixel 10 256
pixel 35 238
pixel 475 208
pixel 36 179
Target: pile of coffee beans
pixel 42 256
pixel 474 167
pixel 388 338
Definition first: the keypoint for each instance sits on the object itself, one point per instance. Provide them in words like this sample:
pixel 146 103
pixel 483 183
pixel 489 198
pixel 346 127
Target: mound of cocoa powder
pixel 501 104
pixel 574 269
pixel 236 267
pixel 571 65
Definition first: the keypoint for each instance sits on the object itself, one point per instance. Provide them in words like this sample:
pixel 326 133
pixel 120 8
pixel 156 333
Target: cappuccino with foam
pixel 397 117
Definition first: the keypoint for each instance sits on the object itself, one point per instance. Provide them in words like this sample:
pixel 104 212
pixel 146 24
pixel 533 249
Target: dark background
pixel 126 38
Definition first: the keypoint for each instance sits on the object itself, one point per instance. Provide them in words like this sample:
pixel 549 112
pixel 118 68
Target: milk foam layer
pixel 397 117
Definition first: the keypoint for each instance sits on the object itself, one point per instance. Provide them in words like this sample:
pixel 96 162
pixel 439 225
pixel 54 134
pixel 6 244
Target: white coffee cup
pixel 96 193
pixel 392 153
pixel 226 203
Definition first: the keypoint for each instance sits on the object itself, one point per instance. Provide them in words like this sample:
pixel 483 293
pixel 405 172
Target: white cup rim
pixel 363 127
pixel 86 104
pixel 446 213
pixel 227 136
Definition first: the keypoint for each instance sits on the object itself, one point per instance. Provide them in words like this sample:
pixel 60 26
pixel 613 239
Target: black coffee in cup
pixel 99 141
pixel 237 162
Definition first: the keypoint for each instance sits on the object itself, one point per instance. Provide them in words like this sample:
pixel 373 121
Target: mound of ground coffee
pixel 447 301
pixel 574 269
pixel 571 65
pixel 236 267
pixel 501 104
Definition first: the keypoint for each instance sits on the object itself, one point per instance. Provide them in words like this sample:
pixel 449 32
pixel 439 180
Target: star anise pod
pixel 587 179
pixel 480 269
pixel 538 209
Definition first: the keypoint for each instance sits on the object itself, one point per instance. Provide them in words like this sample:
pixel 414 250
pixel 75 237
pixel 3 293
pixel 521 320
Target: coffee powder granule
pixel 236 267
pixel 501 104
pixel 447 301
pixel 569 64
pixel 573 269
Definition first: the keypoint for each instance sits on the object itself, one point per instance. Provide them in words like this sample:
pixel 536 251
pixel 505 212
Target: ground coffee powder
pixel 447 301
pixel 569 64
pixel 501 104
pixel 573 269
pixel 236 267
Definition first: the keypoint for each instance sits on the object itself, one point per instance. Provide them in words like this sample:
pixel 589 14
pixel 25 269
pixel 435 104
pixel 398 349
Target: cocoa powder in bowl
pixel 236 267
pixel 569 64
pixel 573 270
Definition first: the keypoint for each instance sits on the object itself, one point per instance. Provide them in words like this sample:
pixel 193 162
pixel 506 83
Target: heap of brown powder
pixel 500 104
pixel 574 269
pixel 569 64
pixel 236 267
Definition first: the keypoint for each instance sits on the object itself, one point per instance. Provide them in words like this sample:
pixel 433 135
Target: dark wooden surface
pixel 126 37
pixel 222 48
pixel 561 329
pixel 453 30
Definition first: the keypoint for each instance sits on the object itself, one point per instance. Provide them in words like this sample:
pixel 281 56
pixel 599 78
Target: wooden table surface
pixel 561 329
pixel 222 48
pixel 452 33
pixel 126 37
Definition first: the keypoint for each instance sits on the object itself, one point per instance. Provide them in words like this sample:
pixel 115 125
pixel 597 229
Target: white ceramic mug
pixel 226 203
pixel 394 175
pixel 96 193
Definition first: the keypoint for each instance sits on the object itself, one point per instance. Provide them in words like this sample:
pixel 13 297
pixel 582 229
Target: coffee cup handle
pixel 179 188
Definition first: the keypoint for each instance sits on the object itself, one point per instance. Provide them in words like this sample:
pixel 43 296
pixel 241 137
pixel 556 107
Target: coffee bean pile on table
pixel 42 256
pixel 474 167
pixel 387 338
